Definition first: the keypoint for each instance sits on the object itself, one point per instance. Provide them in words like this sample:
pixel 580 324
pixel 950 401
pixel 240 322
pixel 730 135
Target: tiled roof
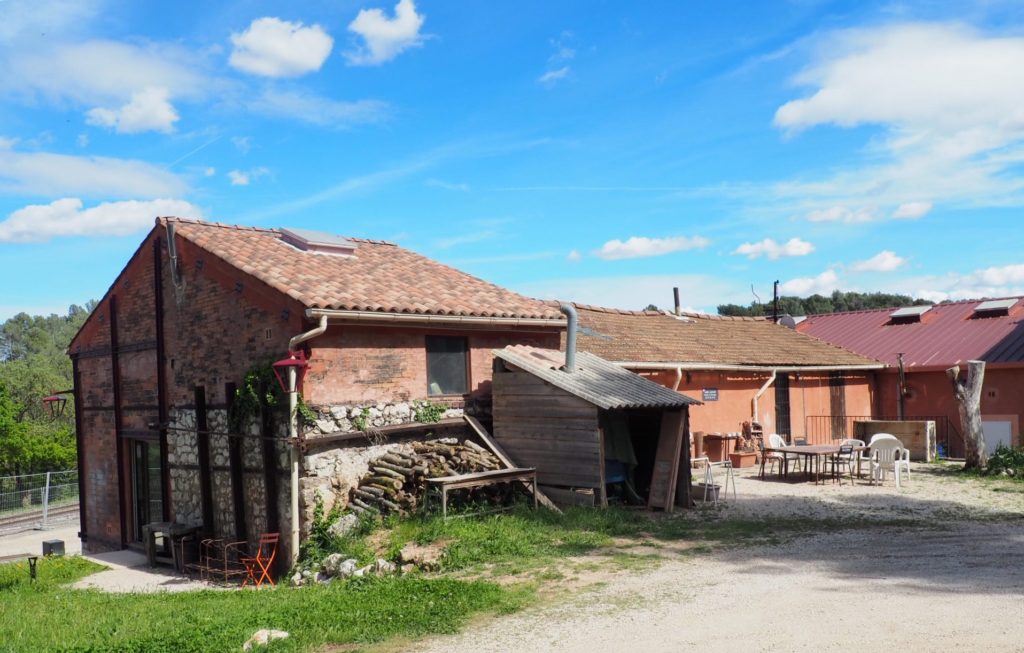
pixel 595 380
pixel 654 337
pixel 380 277
pixel 947 334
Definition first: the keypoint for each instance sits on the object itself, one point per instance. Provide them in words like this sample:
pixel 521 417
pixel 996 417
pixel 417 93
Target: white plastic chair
pixel 905 460
pixel 888 454
pixel 775 441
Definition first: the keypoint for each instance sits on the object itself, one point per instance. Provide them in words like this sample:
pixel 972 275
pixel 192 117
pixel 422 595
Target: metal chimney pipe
pixel 570 336
pixel 675 295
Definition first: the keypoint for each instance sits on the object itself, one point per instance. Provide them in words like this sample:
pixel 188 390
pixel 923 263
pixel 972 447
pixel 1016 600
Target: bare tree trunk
pixel 968 396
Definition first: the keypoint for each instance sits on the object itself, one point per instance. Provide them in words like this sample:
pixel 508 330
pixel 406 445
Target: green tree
pixel 34 364
pixel 816 304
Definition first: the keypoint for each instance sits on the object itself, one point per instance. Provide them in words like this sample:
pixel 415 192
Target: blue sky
pixel 597 151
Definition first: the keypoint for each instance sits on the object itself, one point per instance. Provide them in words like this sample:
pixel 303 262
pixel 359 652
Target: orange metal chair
pixel 258 566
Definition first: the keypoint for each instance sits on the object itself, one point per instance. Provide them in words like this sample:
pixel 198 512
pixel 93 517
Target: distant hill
pixel 837 301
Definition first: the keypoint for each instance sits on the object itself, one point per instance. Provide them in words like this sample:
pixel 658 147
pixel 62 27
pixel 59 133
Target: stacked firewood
pixel 397 481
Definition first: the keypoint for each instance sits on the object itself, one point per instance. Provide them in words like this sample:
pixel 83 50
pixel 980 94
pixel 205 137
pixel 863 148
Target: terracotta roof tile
pixel 653 337
pixel 380 277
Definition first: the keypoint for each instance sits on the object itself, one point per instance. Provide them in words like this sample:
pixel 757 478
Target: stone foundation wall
pixel 334 468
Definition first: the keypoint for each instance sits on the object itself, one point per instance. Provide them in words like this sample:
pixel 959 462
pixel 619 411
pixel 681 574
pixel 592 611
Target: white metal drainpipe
pixel 764 388
pixel 679 379
pixel 293 433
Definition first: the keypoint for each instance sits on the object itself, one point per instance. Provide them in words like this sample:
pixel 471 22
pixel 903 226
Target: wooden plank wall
pixel 542 426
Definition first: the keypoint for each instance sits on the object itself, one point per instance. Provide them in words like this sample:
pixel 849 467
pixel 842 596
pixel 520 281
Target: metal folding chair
pixel 259 565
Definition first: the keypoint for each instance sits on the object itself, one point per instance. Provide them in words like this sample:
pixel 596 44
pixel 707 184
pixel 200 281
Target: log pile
pixel 397 481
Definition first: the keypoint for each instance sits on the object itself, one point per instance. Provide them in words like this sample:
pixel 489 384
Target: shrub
pixel 1008 460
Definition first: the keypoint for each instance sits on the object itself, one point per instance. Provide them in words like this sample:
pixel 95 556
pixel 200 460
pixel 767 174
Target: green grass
pixel 47 617
pixel 523 538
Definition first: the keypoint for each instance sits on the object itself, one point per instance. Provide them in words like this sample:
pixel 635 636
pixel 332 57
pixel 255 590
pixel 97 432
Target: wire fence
pixel 38 500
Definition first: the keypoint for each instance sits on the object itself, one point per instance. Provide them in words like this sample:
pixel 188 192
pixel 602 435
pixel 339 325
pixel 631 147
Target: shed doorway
pixel 630 448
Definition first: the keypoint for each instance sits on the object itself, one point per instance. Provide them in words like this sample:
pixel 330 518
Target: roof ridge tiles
pixel 270 230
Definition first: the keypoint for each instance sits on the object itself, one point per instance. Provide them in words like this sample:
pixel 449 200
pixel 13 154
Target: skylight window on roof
pixel 994 307
pixel 908 314
pixel 318 241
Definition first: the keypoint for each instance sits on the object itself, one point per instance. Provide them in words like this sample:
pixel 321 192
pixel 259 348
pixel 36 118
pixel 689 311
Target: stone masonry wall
pixel 332 469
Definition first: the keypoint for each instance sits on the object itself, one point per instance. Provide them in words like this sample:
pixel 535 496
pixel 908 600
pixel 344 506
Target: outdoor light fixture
pixel 296 360
pixel 56 402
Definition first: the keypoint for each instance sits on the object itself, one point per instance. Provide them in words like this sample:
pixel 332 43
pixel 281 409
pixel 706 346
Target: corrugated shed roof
pixel 654 337
pixel 595 380
pixel 379 277
pixel 948 334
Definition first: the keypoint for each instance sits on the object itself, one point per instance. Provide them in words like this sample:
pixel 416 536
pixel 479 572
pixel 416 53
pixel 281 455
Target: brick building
pixel 742 369
pixel 932 339
pixel 198 305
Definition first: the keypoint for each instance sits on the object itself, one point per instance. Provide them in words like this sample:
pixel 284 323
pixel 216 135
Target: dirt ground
pixel 948 577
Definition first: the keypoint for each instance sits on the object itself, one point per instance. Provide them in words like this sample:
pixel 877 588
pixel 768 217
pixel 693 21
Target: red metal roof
pixel 946 335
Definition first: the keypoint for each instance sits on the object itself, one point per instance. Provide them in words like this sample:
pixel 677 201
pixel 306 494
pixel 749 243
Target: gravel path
pixel 956 584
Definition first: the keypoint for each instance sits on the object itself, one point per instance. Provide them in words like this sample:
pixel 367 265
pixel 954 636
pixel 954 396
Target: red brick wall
pixel 352 364
pixel 218 323
pixel 809 395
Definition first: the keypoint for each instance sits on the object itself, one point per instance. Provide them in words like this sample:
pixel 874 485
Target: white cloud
pixel 574 256
pixel 640 246
pixel 822 284
pixel 843 214
pixel 385 38
pixel 884 261
pixel 209 172
pixel 101 73
pixel 272 47
pixel 912 210
pixel 465 239
pixel 242 143
pixel 552 76
pixel 318 110
pixel 66 217
pixel 244 177
pixel 774 250
pixel 996 281
pixel 949 101
pixel 56 175
pixel 148 110
pixel 82 140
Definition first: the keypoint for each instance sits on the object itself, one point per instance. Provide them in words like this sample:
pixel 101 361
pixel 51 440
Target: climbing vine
pixel 259 390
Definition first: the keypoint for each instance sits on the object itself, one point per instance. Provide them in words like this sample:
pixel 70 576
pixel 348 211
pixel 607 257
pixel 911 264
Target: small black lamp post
pixel 32 560
pixel 56 402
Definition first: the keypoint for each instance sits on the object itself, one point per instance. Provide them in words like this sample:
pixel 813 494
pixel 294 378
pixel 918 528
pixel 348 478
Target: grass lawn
pixel 47 616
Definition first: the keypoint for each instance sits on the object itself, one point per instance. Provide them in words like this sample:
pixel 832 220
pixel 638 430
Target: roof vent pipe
pixel 570 336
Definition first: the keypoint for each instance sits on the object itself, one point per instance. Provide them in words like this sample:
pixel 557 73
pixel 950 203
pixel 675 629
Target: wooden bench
pixel 481 479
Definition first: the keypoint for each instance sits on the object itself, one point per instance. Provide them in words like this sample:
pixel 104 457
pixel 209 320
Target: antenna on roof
pixel 775 302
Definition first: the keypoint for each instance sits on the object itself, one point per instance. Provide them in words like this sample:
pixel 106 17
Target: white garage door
pixel 996 433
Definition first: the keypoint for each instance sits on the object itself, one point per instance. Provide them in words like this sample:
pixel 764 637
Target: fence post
pixel 46 501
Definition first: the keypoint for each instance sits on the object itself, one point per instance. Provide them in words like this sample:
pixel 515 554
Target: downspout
pixel 679 379
pixel 901 385
pixel 764 388
pixel 293 435
pixel 570 336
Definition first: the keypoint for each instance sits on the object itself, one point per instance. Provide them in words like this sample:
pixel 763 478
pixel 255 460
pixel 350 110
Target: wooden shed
pixel 595 432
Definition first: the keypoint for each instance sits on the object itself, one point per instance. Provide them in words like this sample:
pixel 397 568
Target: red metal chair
pixel 258 566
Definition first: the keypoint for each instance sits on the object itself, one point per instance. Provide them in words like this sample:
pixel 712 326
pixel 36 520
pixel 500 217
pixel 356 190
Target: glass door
pixel 147 495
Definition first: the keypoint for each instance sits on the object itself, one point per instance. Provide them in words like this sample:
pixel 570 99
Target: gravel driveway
pixel 953 582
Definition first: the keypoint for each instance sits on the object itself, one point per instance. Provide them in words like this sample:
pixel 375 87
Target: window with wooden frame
pixel 447 365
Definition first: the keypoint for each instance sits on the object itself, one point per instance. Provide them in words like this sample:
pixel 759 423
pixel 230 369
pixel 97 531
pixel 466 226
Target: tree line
pixel 33 365
pixel 838 301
